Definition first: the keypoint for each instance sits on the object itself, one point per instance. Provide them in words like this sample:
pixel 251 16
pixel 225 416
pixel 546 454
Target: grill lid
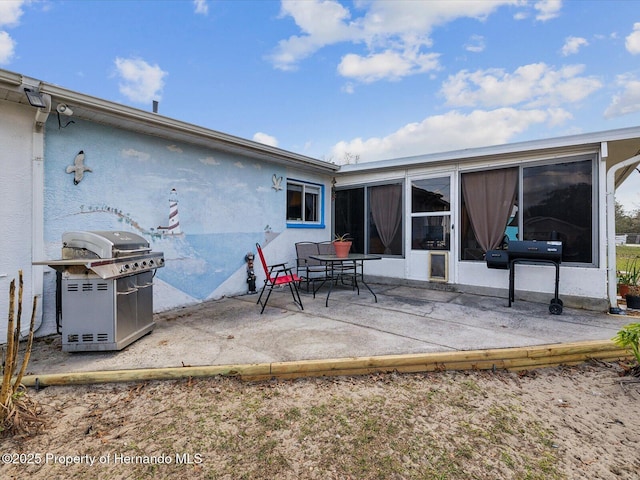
pixel 535 250
pixel 106 244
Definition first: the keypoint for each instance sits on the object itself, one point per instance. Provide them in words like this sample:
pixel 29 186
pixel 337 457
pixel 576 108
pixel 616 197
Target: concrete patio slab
pixel 406 320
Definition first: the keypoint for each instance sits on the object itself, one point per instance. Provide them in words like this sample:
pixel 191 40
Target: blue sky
pixel 346 80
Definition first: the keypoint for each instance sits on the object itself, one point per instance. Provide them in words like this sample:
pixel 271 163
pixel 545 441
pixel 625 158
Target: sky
pixel 347 81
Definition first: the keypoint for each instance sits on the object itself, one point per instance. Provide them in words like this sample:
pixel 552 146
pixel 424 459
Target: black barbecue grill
pixel 530 252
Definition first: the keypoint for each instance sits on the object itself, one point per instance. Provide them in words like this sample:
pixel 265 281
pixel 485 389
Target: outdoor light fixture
pixel 35 99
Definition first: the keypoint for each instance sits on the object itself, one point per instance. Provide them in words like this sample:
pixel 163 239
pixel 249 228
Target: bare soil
pixel 561 423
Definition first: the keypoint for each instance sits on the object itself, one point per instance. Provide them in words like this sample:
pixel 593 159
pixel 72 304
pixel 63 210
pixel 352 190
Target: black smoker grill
pixel 104 289
pixel 532 253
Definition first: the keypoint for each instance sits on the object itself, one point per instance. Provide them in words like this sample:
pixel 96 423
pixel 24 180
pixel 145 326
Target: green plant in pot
pixel 629 277
pixel 633 297
pixel 342 245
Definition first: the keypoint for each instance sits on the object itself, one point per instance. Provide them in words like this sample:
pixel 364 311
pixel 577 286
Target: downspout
pixel 611 232
pixel 37 207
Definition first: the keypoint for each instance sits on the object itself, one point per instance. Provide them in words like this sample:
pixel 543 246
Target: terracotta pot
pixel 633 301
pixel 342 249
pixel 623 289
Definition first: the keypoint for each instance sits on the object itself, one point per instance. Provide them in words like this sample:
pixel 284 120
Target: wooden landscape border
pixel 513 359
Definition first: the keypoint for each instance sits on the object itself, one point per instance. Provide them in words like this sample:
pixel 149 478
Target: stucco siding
pixel 226 203
pixel 16 124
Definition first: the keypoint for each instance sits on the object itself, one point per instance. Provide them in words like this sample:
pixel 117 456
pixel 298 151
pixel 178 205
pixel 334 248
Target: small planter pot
pixel 623 289
pixel 342 249
pixel 633 301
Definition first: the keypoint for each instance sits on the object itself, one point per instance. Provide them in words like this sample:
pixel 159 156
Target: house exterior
pixel 432 217
pixel 204 198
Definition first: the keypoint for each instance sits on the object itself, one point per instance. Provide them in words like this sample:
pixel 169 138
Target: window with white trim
pixel 304 201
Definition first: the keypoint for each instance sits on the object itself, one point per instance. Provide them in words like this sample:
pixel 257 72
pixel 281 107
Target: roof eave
pixel 121 116
pixel 557 144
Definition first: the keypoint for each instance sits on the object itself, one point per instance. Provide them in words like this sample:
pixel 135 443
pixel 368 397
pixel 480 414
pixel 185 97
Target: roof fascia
pixel 110 113
pixel 553 146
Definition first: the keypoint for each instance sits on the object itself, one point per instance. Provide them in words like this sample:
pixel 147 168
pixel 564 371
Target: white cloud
pixel 10 12
pixel 390 65
pixel 7 47
pixel 174 148
pixel 557 116
pixel 547 9
pixel 476 44
pixel 531 85
pixel 137 154
pixel 210 161
pixel 394 34
pixel 140 81
pixel 451 131
pixel 632 42
pixel 628 101
pixel 265 139
pixel 573 44
pixel 321 22
pixel 348 88
pixel 201 7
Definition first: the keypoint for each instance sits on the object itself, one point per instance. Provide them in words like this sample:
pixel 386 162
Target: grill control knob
pixel 135 266
pixel 125 267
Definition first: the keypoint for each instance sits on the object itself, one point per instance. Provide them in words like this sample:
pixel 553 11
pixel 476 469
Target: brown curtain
pixel 386 210
pixel 489 197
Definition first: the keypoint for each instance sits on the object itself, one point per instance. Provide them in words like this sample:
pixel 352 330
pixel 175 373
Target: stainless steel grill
pixel 105 289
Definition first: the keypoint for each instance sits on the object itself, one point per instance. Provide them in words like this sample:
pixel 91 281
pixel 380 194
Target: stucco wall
pixel 16 127
pixel 226 204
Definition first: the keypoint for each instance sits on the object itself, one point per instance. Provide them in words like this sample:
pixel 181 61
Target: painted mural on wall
pixel 203 208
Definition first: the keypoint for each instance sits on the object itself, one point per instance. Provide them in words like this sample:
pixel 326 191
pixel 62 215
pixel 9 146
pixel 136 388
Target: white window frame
pixel 307 188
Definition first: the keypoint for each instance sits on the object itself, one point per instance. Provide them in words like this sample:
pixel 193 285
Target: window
pixel 539 202
pixel 304 203
pixel 430 214
pixel 349 216
pixel 489 200
pixel 557 203
pixel 372 215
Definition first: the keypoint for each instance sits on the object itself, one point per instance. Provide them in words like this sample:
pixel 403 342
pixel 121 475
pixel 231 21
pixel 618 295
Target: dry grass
pixel 577 422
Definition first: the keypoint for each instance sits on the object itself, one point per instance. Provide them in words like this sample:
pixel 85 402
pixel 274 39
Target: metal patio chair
pixel 278 275
pixel 308 269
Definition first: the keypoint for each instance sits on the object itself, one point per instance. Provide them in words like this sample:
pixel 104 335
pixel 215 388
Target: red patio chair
pixel 278 274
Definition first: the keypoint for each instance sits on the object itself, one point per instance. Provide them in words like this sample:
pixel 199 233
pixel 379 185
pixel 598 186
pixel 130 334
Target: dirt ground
pixel 566 422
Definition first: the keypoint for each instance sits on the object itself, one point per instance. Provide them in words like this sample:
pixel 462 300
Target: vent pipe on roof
pixel 155 106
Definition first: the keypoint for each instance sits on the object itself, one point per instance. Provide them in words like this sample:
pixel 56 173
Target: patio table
pixel 351 266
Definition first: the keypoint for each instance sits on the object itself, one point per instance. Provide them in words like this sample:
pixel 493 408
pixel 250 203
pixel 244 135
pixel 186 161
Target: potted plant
pixel 633 297
pixel 629 277
pixel 342 245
